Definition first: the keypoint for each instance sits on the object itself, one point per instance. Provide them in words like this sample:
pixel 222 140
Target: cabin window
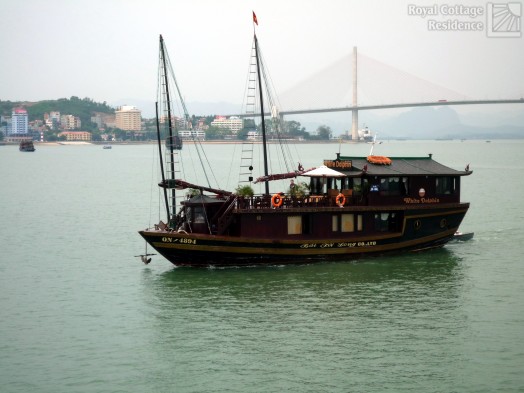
pixel 334 223
pixel 385 222
pixel 199 215
pixel 405 186
pixel 350 222
pixel 446 185
pixel 333 183
pixel 359 185
pixel 394 186
pixel 317 186
pixel 294 225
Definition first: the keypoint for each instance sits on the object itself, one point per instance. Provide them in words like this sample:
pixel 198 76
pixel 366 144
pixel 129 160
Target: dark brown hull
pixel 421 229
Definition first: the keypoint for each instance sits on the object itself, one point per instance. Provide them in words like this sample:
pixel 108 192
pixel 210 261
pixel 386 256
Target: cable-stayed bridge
pixel 355 83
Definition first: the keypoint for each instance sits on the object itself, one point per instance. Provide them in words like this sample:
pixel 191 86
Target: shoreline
pixel 231 142
pixel 120 143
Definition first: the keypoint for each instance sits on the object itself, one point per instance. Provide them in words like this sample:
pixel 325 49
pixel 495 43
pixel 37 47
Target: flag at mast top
pixel 255 18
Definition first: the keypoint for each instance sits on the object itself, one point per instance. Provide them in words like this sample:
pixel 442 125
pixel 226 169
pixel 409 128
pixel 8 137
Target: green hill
pixel 81 107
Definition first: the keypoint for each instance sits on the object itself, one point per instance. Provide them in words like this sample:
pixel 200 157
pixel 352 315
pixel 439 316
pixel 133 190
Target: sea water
pixel 80 313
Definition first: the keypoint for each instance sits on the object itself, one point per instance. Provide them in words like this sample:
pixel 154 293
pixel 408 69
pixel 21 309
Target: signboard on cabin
pixel 339 164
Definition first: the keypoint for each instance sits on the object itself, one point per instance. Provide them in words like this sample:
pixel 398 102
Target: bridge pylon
pixel 354 112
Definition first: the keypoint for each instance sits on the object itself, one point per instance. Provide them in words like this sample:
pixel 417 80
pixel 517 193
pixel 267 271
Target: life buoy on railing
pixel 379 160
pixel 340 200
pixel 276 200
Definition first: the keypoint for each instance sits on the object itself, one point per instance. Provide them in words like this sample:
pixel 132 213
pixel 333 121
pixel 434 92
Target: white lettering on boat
pixel 339 245
pixel 421 200
pixel 182 240
pixel 185 240
pixel 308 245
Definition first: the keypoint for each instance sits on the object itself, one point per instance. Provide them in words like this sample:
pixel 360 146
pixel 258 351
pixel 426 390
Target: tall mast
pixel 266 172
pixel 161 159
pixel 170 125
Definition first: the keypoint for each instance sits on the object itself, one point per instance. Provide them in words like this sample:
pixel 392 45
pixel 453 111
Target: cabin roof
pixel 401 166
pixel 201 200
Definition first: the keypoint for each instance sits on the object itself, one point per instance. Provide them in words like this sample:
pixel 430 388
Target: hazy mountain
pixel 425 123
pixel 444 122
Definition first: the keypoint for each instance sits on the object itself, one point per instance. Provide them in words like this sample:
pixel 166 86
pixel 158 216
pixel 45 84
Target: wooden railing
pixel 289 202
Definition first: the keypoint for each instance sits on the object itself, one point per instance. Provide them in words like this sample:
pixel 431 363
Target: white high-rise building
pixel 19 121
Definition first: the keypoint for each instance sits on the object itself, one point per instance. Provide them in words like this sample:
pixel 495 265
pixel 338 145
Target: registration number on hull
pixel 182 240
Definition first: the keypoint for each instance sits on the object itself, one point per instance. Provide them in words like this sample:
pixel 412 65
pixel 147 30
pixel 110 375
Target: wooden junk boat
pixel 355 206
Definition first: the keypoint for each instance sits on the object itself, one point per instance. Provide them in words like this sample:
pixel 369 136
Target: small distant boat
pixel 365 135
pixel 108 147
pixel 26 145
pixel 460 236
pixel 174 142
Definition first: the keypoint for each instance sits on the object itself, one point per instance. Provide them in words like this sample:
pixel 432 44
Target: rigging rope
pixel 286 155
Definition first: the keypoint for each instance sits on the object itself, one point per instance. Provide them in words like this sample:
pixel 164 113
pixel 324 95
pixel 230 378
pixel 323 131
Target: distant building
pixel 109 120
pixel 103 120
pixel 181 123
pixel 201 124
pixel 128 118
pixel 253 136
pixel 192 135
pixel 178 123
pixel 37 125
pixel 3 128
pixel 108 137
pixel 70 122
pixel 55 115
pixel 19 122
pixel 76 135
pixel 98 120
pixel 52 120
pixel 234 123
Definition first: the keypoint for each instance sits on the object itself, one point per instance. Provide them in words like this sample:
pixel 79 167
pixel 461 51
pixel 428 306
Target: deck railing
pixel 289 202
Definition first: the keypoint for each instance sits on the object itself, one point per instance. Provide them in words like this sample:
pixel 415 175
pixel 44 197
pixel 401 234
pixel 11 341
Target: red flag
pixel 255 18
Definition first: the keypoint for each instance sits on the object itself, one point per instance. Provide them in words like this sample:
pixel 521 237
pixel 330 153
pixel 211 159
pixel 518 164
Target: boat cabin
pixel 199 213
pixel 401 180
pixel 360 196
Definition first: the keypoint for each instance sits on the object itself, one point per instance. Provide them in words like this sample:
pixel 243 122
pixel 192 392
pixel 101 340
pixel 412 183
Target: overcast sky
pixel 107 50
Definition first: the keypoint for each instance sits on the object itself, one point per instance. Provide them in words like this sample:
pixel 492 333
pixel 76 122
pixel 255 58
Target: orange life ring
pixel 340 200
pixel 379 160
pixel 276 200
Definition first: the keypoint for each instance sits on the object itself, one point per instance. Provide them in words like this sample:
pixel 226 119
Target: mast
pixel 170 126
pixel 266 172
pixel 161 159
